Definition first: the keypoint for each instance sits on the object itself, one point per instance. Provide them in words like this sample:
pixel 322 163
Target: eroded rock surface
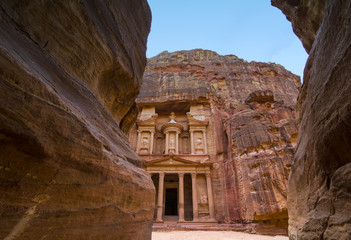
pixel 69 75
pixel 252 132
pixel 319 199
pixel 305 16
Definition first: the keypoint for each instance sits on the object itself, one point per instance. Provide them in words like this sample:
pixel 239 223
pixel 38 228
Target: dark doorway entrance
pixel 171 207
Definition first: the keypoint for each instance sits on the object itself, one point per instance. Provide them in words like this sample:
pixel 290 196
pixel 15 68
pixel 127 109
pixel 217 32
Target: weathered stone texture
pixel 252 131
pixel 319 199
pixel 305 16
pixel 69 74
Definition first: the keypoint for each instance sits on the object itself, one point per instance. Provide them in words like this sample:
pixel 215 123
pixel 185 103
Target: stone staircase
pixel 198 226
pixel 254 228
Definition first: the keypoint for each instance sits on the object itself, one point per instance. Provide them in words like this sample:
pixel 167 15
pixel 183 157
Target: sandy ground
pixel 211 235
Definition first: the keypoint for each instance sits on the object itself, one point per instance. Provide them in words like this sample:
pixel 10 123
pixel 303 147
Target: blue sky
pixel 250 29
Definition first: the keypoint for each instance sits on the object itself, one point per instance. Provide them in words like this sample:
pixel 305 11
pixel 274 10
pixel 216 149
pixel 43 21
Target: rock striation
pixel 252 131
pixel 319 198
pixel 69 76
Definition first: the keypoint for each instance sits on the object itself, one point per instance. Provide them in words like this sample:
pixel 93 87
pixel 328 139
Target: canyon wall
pixel 252 130
pixel 69 75
pixel 319 199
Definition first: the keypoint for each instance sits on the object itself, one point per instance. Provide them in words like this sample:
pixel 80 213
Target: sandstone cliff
pixel 319 198
pixel 305 16
pixel 69 74
pixel 252 132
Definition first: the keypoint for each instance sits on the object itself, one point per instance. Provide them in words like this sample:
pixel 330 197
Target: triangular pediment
pixel 171 160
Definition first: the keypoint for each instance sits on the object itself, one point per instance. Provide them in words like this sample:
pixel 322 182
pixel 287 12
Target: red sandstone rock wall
pixel 319 197
pixel 252 132
pixel 69 75
pixel 306 17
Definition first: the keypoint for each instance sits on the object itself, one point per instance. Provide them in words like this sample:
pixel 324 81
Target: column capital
pixel 193 174
pixel 161 174
pixel 181 174
pixel 208 174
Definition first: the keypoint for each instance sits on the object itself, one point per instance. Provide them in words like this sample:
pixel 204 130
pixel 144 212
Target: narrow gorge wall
pixel 319 199
pixel 252 131
pixel 69 75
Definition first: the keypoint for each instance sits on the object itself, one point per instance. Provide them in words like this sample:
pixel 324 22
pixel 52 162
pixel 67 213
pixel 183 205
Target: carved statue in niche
pixel 159 145
pixel 185 145
pixel 145 142
pixel 203 199
pixel 199 143
pixel 144 149
pixel 199 149
pixel 171 145
pixel 172 117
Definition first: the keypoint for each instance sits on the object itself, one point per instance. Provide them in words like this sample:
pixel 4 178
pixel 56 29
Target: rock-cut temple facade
pixel 217 136
pixel 174 148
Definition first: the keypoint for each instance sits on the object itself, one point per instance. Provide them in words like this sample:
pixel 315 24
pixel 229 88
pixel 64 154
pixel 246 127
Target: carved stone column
pixel 166 144
pixel 192 142
pixel 177 143
pixel 181 197
pixel 138 142
pixel 210 196
pixel 151 142
pixel 195 204
pixel 205 141
pixel 160 197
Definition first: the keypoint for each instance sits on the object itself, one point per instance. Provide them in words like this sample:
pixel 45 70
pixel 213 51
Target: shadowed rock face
pixel 305 17
pixel 319 198
pixel 252 131
pixel 69 75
